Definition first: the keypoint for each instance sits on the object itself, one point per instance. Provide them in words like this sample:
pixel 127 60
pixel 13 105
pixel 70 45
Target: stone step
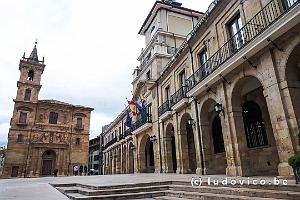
pixel 139 195
pixel 123 190
pixel 239 191
pixel 211 196
pixel 125 185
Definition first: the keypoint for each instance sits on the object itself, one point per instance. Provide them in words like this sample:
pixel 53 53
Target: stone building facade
pixel 45 135
pixel 225 101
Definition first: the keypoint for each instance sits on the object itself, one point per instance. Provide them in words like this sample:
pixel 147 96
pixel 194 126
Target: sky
pixel 90 49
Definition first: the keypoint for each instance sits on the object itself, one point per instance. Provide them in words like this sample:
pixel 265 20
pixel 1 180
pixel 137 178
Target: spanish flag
pixel 132 107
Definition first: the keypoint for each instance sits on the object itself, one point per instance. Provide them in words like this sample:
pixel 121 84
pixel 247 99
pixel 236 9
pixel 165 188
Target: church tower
pixel 29 84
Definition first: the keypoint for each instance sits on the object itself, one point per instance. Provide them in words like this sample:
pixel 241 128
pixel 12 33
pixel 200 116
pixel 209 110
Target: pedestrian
pixel 80 170
pixel 75 170
pixel 55 172
pixel 85 170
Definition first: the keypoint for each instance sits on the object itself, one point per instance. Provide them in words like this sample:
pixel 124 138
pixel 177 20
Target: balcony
pixel 141 124
pixel 252 35
pixel 166 106
pixel 113 141
pixel 127 133
pixel 179 98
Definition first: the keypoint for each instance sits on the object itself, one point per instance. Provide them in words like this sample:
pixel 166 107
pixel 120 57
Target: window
pixel 23 118
pixel 96 157
pixel 167 93
pixel 235 32
pixel 182 78
pixel 15 171
pixel 288 3
pixel 20 138
pixel 79 122
pixel 152 32
pixel 30 75
pixel 77 141
pixel 53 118
pixel 27 95
pixel 148 75
pixel 203 57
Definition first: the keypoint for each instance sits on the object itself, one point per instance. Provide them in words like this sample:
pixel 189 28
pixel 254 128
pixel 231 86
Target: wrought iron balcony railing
pixel 178 95
pixel 254 27
pixel 127 132
pixel 113 141
pixel 140 122
pixel 166 106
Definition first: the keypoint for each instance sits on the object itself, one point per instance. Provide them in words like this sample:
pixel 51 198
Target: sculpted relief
pixel 55 138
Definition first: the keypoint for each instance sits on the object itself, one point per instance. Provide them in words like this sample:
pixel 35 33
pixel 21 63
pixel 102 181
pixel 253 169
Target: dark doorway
pixel 47 167
pixel 254 125
pixel 174 161
pixel 15 171
pixel 191 149
pixel 217 135
pixel 48 163
pixel 149 156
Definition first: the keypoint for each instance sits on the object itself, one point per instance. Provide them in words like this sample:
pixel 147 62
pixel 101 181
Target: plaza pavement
pixel 40 188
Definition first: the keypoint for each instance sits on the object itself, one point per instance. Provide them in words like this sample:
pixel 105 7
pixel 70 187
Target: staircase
pixel 174 190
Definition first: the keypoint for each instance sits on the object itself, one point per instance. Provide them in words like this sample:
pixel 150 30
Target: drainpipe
pixel 159 142
pixel 197 117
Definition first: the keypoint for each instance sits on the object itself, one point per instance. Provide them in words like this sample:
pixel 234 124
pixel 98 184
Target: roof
pixel 173 5
pixel 52 101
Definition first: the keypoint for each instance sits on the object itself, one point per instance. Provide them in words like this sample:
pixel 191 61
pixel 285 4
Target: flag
pixel 128 120
pixel 132 107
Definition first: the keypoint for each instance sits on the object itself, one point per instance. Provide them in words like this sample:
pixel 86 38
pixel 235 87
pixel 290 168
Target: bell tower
pixel 31 70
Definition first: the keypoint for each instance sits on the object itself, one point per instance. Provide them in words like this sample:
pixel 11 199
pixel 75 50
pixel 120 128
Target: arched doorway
pixel 292 93
pixel 48 162
pixel 170 148
pixel 255 138
pixel 188 145
pixel 215 161
pixel 149 156
pixel 131 158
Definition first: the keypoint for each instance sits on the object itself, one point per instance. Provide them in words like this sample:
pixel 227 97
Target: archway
pixel 188 145
pixel 131 158
pixel 170 147
pixel 256 143
pixel 215 161
pixel 48 162
pixel 292 76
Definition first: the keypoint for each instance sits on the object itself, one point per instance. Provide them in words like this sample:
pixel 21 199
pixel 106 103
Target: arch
pixel 215 161
pixel 30 75
pixel 146 155
pixel 292 77
pixel 48 162
pixel 252 122
pixel 189 160
pixel 170 149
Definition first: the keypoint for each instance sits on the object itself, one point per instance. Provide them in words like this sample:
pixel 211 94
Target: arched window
pixel 27 95
pixel 30 75
pixel 217 135
pixel 20 138
pixel 254 125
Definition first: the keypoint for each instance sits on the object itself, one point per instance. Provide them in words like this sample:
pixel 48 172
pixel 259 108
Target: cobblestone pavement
pixel 40 189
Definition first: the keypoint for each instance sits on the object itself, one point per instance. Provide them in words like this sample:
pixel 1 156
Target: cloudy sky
pixel 90 49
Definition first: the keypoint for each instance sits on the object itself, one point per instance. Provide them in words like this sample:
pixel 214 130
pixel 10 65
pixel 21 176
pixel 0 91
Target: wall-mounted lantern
pixel 218 108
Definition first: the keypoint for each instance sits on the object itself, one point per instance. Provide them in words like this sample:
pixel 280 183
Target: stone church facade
pixel 45 135
pixel 225 101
